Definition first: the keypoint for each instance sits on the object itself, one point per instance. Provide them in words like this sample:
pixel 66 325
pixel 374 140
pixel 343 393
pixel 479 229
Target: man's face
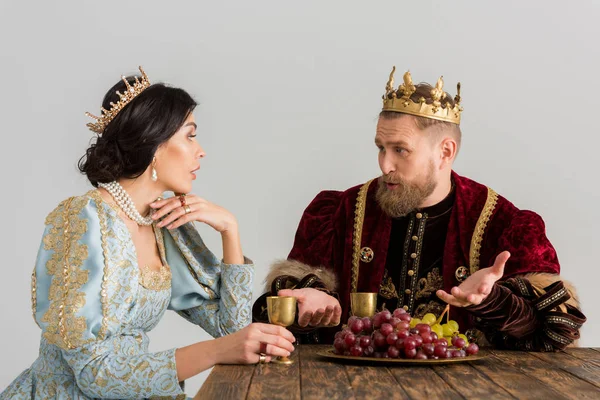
pixel 407 157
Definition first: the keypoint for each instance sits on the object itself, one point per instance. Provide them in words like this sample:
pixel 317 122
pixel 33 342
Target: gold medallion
pixel 366 254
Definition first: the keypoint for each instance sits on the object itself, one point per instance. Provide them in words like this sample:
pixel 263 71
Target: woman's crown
pixel 131 92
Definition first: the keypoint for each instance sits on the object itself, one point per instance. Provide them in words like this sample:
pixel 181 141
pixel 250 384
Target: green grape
pixel 414 322
pixel 453 325
pixel 447 329
pixel 437 328
pixel 428 319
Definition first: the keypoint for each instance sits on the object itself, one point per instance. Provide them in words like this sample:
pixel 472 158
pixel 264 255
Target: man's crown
pixel 132 91
pixel 399 100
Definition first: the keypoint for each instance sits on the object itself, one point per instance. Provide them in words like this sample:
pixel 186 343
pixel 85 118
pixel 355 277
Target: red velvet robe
pixel 482 225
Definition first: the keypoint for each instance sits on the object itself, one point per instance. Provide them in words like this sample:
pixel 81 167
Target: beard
pixel 408 196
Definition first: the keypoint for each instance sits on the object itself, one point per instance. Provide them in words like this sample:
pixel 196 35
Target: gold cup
pixel 363 304
pixel 282 312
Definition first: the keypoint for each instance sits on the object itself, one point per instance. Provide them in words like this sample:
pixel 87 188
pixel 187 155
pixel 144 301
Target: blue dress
pixel 95 305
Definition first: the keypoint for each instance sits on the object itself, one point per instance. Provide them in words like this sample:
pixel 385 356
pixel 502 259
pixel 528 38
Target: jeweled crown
pixel 399 100
pixel 140 84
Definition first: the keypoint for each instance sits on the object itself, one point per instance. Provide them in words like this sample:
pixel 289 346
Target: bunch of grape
pixel 397 335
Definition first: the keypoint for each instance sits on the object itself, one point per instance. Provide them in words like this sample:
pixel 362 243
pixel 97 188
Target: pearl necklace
pixel 124 201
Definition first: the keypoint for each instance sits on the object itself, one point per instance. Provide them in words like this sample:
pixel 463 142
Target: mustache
pixel 391 179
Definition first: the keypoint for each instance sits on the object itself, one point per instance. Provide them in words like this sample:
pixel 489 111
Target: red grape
pixel 472 349
pixel 434 337
pixel 428 348
pixel 418 339
pixel 357 326
pixel 377 320
pixel 410 353
pixel 414 331
pixel 368 351
pixel 365 341
pixel 350 339
pixel 398 312
pixel 410 343
pixel 426 336
pixel 422 328
pixel 393 352
pixel 439 351
pixel 394 321
pixel 441 342
pixel 386 315
pixel 392 338
pixel 404 317
pixel 356 351
pixel 420 355
pixel 339 344
pixel 367 324
pixel 400 344
pixel 458 353
pixel 386 329
pixel 403 334
pixel 379 340
pixel 403 326
pixel 449 353
pixel 459 342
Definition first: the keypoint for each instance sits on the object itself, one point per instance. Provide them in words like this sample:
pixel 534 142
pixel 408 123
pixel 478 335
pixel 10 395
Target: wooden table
pixel 573 374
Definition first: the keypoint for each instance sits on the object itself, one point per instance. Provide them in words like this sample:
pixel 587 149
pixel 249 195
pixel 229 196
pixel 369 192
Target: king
pixel 422 236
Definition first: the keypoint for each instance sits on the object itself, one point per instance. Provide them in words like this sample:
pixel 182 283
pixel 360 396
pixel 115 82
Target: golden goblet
pixel 282 312
pixel 363 304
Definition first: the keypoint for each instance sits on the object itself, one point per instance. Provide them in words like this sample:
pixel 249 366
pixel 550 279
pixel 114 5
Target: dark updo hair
pixel 126 147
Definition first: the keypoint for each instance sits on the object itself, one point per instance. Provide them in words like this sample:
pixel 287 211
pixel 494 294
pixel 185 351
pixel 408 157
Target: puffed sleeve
pixel 205 291
pixel 532 308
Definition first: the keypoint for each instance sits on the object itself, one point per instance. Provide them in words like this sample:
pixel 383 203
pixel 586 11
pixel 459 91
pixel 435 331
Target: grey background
pixel 289 96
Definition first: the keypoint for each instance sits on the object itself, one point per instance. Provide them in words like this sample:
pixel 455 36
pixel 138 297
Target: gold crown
pixel 400 101
pixel 124 98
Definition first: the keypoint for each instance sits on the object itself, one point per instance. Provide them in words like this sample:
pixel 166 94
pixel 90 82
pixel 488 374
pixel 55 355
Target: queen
pixel 113 260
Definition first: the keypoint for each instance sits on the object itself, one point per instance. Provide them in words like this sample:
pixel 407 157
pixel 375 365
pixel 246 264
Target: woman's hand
pixel 197 208
pixel 245 345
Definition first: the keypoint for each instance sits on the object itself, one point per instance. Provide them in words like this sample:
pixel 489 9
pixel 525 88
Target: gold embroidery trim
pixel 387 288
pixel 484 218
pixel 34 295
pixel 65 329
pixel 359 219
pixel 103 233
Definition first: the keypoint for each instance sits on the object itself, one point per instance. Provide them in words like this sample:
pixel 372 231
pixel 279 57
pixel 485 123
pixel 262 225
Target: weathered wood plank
pixel 421 382
pixel 470 383
pixel 514 381
pixel 586 354
pixel 227 382
pixel 582 369
pixel 561 381
pixel 374 382
pixel 320 378
pixel 276 381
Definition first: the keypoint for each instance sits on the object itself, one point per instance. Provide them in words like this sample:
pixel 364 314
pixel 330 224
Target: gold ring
pixel 262 358
pixel 187 209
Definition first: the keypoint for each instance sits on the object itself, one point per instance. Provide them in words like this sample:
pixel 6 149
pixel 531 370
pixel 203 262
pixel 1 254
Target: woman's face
pixel 178 159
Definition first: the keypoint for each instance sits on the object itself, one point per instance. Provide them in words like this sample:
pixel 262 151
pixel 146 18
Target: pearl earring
pixel 154 174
